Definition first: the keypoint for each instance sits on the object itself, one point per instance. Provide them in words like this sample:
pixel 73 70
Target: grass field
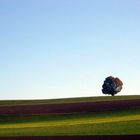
pixel 113 122
pixel 66 100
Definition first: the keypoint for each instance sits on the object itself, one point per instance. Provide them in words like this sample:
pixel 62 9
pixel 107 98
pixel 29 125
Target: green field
pixel 67 100
pixel 117 122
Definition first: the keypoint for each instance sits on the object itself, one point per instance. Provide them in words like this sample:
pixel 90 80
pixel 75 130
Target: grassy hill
pixel 108 122
pixel 67 100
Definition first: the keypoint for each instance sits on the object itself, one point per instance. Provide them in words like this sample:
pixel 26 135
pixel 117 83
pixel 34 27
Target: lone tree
pixel 112 85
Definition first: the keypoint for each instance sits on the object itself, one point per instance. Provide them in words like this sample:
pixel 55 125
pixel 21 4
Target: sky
pixel 66 48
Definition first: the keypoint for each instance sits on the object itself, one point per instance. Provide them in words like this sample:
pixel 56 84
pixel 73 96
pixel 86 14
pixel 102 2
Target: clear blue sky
pixel 66 48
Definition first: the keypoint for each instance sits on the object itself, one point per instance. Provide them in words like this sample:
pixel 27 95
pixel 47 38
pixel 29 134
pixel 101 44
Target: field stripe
pixel 71 122
pixel 67 100
pixel 71 107
pixel 103 137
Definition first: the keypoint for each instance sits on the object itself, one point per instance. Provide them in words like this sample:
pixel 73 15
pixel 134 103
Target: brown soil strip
pixel 113 137
pixel 70 107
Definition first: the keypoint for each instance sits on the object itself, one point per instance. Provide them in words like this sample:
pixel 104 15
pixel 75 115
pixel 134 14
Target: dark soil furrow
pixel 70 107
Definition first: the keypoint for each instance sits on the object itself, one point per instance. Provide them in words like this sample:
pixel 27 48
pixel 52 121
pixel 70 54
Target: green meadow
pixel 115 122
pixel 67 100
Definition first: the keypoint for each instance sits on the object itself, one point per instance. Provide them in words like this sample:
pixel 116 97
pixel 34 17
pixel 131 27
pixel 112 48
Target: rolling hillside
pixel 118 115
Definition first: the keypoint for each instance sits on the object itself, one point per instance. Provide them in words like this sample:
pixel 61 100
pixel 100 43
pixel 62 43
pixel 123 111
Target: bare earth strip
pixel 70 107
pixel 106 137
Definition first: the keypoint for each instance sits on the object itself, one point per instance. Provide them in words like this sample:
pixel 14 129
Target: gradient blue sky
pixel 66 48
